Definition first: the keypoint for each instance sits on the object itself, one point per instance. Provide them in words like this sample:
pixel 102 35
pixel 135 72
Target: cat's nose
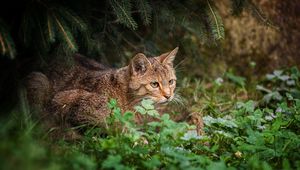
pixel 167 96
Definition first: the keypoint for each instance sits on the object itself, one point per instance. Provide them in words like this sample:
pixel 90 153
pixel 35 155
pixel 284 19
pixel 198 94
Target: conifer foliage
pixel 7 46
pixel 90 26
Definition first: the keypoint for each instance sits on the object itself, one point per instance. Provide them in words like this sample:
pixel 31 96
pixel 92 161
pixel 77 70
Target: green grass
pixel 247 126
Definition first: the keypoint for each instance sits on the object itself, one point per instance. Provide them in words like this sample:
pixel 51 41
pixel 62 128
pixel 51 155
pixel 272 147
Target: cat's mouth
pixel 160 102
pixel 164 102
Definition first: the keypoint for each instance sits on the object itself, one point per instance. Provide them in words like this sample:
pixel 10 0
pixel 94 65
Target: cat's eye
pixel 154 84
pixel 171 81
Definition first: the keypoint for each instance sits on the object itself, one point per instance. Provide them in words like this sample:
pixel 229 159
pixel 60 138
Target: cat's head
pixel 153 78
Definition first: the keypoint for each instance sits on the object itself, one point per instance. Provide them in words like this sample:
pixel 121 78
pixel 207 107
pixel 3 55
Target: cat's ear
pixel 168 58
pixel 139 64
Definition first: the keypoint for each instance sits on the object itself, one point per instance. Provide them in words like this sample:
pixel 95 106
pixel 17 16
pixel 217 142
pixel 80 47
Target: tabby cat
pixel 79 95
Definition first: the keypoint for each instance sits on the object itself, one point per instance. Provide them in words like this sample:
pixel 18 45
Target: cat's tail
pixel 38 89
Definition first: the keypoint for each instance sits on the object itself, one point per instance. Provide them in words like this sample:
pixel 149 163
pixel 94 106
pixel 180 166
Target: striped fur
pixel 78 95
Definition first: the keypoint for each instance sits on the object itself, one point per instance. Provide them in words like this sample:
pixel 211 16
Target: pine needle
pixel 10 48
pixel 6 42
pixel 71 45
pixel 145 11
pixel 217 26
pixel 74 19
pixel 256 12
pixel 51 33
pixel 123 12
pixel 3 50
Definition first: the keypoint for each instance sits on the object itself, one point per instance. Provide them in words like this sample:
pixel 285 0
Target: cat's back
pixel 84 73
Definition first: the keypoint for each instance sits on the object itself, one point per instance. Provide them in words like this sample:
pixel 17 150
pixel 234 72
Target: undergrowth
pixel 246 127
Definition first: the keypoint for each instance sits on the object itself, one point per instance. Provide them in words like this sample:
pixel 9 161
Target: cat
pixel 79 95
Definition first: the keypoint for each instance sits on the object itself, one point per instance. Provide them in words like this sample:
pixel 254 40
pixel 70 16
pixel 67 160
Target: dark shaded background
pixel 250 48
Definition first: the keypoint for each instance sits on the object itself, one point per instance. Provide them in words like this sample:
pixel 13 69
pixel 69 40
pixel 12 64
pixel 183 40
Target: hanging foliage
pixel 88 27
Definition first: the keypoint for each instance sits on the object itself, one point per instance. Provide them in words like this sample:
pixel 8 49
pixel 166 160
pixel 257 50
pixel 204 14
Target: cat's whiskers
pixel 177 100
pixel 178 64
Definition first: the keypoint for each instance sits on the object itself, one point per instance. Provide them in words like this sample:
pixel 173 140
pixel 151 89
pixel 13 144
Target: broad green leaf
pixel 165 117
pixel 128 116
pixel 147 104
pixel 153 113
pixel 140 110
pixel 236 79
